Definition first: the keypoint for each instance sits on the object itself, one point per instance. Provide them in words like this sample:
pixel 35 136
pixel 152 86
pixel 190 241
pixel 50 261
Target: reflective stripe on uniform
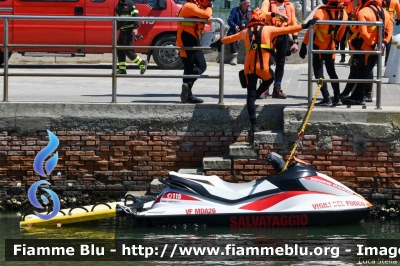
pixel 122 65
pixel 187 23
pixel 354 34
pixel 128 27
pixel 319 32
pixel 193 24
pixel 263 45
pixel 137 60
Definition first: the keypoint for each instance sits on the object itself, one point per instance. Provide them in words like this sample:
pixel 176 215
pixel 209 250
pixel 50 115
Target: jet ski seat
pixel 218 189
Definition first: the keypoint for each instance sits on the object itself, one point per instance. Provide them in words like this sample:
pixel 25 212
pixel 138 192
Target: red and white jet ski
pixel 300 196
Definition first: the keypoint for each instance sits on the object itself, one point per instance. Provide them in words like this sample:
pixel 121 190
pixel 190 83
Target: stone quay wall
pixel 109 149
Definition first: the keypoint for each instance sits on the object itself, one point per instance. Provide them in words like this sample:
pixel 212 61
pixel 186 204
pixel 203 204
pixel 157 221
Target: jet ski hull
pixel 299 197
pixel 283 209
pixel 235 220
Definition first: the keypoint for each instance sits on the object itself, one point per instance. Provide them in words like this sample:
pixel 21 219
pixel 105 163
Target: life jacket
pixel 387 4
pixel 255 34
pixel 332 29
pixel 379 15
pixel 288 10
pixel 378 3
pixel 199 26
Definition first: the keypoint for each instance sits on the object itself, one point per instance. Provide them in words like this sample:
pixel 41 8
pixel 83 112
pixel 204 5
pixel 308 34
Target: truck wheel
pixel 167 59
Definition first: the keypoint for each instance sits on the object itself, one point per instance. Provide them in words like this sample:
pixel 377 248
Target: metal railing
pixel 114 48
pixel 378 80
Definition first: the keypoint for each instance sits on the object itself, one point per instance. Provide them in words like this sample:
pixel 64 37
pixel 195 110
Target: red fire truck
pixel 62 32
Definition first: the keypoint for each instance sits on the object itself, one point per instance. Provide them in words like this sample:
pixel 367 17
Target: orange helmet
pixel 257 17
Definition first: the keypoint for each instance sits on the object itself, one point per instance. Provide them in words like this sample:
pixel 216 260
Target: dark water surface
pixel 121 228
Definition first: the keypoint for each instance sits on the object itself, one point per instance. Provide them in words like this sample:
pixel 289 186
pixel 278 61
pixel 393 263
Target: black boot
pixel 254 126
pixel 368 98
pixel 343 59
pixel 336 101
pixel 194 99
pixel 347 90
pixel 185 93
pixel 368 95
pixel 143 66
pixel 343 96
pixel 121 71
pixel 325 102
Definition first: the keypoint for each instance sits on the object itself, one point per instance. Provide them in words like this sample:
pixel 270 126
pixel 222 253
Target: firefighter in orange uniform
pixel 348 8
pixel 368 40
pixel 258 42
pixel 392 7
pixel 282 41
pixel 189 34
pixel 351 34
pixel 325 38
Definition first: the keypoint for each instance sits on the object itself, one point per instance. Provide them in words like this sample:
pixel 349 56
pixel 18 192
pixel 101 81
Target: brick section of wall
pixel 111 162
pixel 107 162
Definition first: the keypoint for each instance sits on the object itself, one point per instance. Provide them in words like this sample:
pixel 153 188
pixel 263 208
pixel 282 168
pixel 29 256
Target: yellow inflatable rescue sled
pixel 74 215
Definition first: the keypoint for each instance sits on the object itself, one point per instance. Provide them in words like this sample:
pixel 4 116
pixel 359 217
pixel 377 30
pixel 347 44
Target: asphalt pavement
pixel 164 90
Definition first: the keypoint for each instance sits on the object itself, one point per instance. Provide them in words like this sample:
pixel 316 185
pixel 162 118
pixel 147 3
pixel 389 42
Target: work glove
pixel 397 22
pixel 309 23
pixel 217 44
pixel 138 37
pixel 303 51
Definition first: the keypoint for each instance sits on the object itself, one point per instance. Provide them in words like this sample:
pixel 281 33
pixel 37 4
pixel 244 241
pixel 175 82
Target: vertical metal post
pixel 378 71
pixel 114 62
pixel 312 5
pixel 304 9
pixel 310 64
pixel 5 85
pixel 221 64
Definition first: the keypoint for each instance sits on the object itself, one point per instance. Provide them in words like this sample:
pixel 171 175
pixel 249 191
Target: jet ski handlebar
pixel 276 161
